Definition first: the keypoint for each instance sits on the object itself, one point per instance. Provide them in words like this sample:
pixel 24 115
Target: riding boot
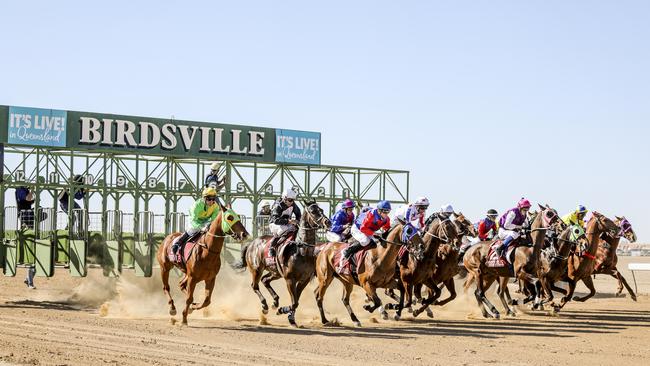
pixel 182 240
pixel 503 250
pixel 349 251
pixel 274 243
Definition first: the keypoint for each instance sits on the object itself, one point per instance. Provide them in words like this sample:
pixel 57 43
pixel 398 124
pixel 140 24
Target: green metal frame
pixel 121 177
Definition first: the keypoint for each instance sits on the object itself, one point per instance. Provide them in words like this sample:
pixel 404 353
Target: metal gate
pixel 143 243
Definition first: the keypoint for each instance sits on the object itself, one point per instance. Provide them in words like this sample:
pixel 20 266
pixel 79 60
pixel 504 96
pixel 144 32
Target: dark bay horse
pixel 375 270
pixel 606 258
pixel 446 267
pixel 413 270
pixel 554 260
pixel 525 265
pixel 294 262
pixel 204 262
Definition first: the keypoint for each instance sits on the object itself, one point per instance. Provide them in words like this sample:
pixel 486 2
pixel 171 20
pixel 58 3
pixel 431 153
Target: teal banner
pixel 297 147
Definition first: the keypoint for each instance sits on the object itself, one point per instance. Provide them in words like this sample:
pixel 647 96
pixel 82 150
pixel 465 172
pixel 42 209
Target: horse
pixel 295 262
pixel 581 265
pixel 554 260
pixel 375 269
pixel 446 267
pixel 525 263
pixel 204 261
pixel 418 270
pixel 606 258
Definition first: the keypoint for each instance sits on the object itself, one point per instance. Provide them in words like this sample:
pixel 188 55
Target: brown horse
pixel 419 270
pixel 446 267
pixel 295 262
pixel 375 270
pixel 204 262
pixel 526 262
pixel 554 259
pixel 581 265
pixel 606 258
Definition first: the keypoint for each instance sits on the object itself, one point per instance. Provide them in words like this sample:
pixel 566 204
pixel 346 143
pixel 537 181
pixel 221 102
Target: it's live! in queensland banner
pixel 36 126
pixel 299 147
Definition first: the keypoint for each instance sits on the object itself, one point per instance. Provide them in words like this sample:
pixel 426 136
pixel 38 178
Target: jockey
pixel 487 228
pixel 212 179
pixel 366 226
pixel 265 210
pixel 446 211
pixel 281 223
pixel 413 213
pixel 341 222
pixel 576 217
pixel 511 223
pixel 202 213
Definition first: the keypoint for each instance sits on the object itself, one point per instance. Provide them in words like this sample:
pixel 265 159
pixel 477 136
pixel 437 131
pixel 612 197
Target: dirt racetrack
pixel 96 320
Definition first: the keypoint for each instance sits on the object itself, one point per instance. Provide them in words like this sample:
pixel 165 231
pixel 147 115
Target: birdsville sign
pixel 119 133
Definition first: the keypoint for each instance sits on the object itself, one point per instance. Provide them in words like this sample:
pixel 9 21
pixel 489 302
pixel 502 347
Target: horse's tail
pixel 242 263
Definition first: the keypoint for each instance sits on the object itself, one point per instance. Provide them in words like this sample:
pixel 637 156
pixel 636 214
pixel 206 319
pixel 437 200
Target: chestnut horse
pixel 375 270
pixel 294 262
pixel 606 258
pixel 204 262
pixel 581 265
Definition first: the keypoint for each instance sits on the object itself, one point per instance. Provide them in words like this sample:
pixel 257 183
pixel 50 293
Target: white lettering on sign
pixel 142 134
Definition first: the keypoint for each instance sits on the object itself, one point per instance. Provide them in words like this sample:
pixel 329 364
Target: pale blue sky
pixel 484 102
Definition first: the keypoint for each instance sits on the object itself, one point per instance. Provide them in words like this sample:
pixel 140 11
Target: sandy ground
pixel 96 320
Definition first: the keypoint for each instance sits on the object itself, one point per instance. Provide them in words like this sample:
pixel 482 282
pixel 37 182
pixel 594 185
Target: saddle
pixel 283 241
pixel 494 260
pixel 184 251
pixel 350 266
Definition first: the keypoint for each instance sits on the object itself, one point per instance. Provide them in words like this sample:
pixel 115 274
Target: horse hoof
pixel 357 324
pixel 512 314
pixel 396 317
pixel 410 310
pixel 368 308
pixel 172 312
pixel 633 298
pixel 384 315
pixel 429 313
pixel 576 298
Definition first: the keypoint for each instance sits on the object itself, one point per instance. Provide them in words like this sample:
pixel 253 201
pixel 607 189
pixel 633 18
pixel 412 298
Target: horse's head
pixel 464 226
pixel 546 218
pixel 410 236
pixel 572 234
pixel 314 216
pixel 626 229
pixel 230 224
pixel 603 225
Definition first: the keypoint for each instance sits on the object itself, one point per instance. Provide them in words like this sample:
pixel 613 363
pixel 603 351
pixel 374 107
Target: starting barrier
pixel 113 240
pixel 113 220
pixel 143 251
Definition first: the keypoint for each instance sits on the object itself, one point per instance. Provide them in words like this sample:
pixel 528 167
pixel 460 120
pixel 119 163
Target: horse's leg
pixel 266 280
pixel 592 290
pixel 400 305
pixel 485 285
pixel 189 297
pixel 391 293
pixel 292 288
pixel 417 292
pixel 255 284
pixel 451 287
pixel 568 296
pixel 164 273
pixel 555 288
pixel 372 292
pixel 209 286
pixel 319 293
pixel 300 287
pixel 478 293
pixel 347 290
pixel 622 280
